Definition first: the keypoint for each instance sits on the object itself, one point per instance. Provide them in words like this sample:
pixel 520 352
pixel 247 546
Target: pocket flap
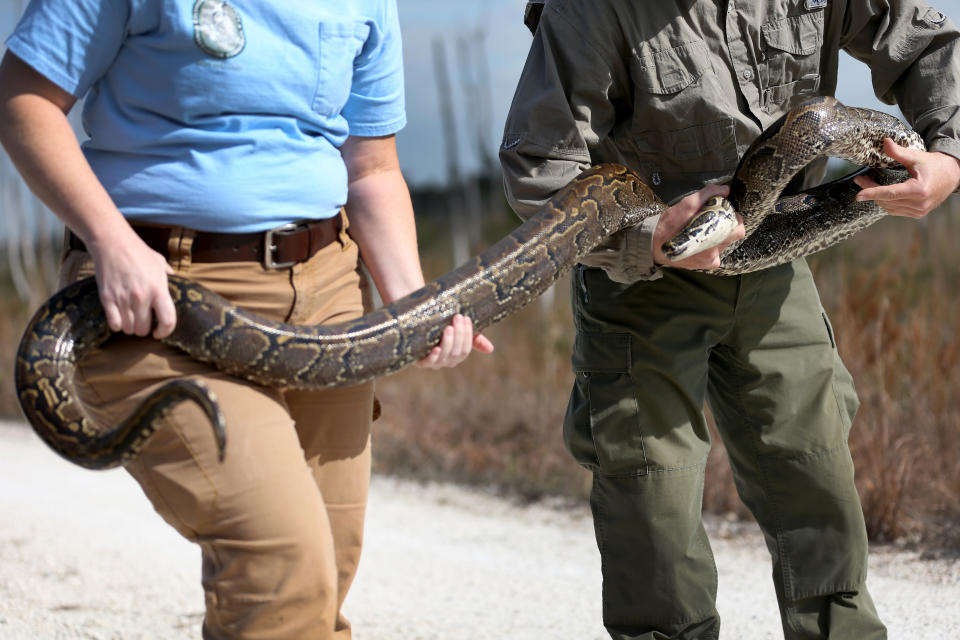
pixel 799 35
pixel 672 70
pixel 596 352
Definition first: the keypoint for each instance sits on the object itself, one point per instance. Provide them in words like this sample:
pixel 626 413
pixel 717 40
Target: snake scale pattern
pixel 496 283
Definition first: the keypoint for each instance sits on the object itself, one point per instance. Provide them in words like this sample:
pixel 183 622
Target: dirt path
pixel 82 555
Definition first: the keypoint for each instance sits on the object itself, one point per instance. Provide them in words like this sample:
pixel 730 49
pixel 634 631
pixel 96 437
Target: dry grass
pixel 495 420
pixel 895 309
pixel 890 293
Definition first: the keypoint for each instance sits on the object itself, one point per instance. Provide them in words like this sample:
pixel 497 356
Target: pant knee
pixel 285 586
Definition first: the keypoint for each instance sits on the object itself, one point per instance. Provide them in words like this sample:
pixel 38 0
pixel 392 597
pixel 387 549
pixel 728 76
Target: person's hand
pixel 456 344
pixel 673 220
pixel 132 281
pixel 933 176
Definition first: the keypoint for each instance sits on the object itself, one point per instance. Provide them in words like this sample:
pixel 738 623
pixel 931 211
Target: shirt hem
pixel 385 129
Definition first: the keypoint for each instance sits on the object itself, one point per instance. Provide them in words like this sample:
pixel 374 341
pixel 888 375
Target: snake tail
pixel 66 330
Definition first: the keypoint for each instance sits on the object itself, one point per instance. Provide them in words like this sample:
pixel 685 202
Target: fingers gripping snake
pixel 494 284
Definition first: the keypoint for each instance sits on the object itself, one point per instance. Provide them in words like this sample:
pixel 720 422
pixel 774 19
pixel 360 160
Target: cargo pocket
pixel 791 59
pixel 340 44
pixel 602 426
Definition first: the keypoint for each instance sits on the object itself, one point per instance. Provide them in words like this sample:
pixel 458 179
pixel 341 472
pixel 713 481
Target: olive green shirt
pixel 678 89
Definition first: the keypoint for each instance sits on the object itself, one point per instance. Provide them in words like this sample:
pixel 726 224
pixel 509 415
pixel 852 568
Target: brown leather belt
pixel 275 248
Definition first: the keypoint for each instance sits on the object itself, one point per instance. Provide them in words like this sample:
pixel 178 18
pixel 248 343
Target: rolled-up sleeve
pixel 913 51
pixel 564 106
pixel 376 106
pixel 573 85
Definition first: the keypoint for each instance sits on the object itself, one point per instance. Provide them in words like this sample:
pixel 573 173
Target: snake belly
pixel 598 203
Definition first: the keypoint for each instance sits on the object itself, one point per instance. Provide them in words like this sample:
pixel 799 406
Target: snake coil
pixel 494 284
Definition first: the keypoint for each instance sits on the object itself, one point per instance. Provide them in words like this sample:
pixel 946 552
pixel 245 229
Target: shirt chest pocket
pixel 681 124
pixel 791 63
pixel 340 45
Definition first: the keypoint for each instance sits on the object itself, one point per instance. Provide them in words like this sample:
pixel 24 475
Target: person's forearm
pixel 131 278
pixel 43 147
pixel 41 143
pixel 382 223
pixel 34 129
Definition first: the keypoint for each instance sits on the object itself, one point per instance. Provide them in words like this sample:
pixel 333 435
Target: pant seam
pixel 782 544
pixel 158 495
pixel 650 472
pixel 810 455
pixel 828 590
pixel 196 460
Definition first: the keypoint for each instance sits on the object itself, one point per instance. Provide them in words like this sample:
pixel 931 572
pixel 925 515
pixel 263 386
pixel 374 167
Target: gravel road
pixel 82 555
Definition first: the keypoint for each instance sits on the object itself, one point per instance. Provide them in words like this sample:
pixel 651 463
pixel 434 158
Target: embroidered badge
pixel 217 29
pixel 816 4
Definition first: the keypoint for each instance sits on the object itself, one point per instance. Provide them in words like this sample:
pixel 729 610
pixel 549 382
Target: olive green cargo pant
pixel 759 349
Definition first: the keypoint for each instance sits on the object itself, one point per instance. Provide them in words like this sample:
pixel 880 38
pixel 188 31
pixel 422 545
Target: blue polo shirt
pixel 221 116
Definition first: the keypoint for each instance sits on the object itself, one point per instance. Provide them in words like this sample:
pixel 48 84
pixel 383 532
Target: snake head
pixel 713 224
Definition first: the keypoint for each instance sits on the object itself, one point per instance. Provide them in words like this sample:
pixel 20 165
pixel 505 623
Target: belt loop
pixel 179 246
pixel 343 236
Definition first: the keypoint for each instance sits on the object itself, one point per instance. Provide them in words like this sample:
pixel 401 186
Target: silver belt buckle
pixel 269 246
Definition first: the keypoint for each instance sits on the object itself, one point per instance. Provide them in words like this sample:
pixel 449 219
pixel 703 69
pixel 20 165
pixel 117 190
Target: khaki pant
pixel 760 350
pixel 280 520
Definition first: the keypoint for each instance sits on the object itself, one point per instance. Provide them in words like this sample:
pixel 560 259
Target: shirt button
pixel 747 74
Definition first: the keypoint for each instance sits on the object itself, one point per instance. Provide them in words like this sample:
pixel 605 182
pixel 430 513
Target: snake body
pixel 599 202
